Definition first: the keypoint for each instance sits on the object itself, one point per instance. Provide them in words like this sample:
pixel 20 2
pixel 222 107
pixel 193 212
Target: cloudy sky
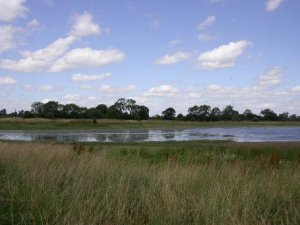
pixel 161 53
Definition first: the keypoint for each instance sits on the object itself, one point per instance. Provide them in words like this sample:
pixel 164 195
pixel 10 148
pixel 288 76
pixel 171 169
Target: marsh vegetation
pixel 150 183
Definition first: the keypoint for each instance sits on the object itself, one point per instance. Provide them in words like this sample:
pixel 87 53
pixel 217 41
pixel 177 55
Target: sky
pixel 162 53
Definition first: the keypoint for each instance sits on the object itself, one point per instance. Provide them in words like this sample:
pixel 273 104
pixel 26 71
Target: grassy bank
pixel 150 183
pixel 65 124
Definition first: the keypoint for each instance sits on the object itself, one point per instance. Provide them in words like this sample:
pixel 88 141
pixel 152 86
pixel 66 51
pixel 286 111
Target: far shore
pixel 79 125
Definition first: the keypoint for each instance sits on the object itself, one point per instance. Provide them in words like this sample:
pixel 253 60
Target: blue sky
pixel 160 53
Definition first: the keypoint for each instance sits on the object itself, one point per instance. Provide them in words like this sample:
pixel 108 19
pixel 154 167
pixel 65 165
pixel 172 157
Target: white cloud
pixel 271 77
pixel 87 57
pixel 214 87
pixel 34 24
pixel 11 9
pixel 207 22
pixel 222 57
pixel 296 89
pixel 84 25
pixel 7 37
pixel 173 59
pixel 70 98
pixel 175 42
pixel 7 80
pixel 40 60
pixel 52 51
pixel 86 87
pixel 272 5
pixel 46 87
pixel 84 77
pixel 48 58
pixel 206 37
pixel 108 89
pixel 162 91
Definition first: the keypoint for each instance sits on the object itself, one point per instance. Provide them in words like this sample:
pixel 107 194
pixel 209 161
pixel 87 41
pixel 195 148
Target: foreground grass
pixel 150 183
pixel 65 124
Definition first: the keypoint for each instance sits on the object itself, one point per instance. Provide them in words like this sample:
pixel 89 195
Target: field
pixel 199 182
pixel 67 124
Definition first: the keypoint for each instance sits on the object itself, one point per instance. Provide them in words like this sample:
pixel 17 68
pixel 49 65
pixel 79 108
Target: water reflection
pixel 241 134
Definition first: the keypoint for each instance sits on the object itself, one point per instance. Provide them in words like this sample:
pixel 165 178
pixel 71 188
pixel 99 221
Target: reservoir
pixel 238 134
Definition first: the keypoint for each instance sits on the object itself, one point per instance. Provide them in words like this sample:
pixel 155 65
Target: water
pixel 239 134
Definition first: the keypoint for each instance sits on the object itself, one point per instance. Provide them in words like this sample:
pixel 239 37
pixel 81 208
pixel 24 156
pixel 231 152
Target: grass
pixel 66 124
pixel 150 183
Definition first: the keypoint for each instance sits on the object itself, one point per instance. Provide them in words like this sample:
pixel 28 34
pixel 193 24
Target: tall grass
pixel 50 184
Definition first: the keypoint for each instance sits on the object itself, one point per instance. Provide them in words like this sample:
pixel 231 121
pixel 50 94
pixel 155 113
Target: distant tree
pixel 283 116
pixel 52 109
pixel 204 112
pixel 248 115
pixel 37 108
pixel 269 114
pixel 215 114
pixel 180 116
pixel 140 112
pixel 193 113
pixel 102 109
pixel 27 115
pixel 229 113
pixel 156 117
pixel 293 117
pixel 71 111
pixel 169 114
pixel 3 112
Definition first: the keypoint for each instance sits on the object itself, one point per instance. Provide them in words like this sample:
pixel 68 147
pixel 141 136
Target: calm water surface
pixel 239 134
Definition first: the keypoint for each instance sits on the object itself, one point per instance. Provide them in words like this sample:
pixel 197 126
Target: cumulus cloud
pixel 175 42
pixel 55 57
pixel 70 98
pixel 222 57
pixel 6 80
pixel 162 91
pixel 40 60
pixel 85 77
pixel 46 87
pixel 173 59
pixel 7 37
pixel 206 37
pixel 84 25
pixel 108 89
pixel 87 57
pixel 12 9
pixel 34 24
pixel 207 22
pixel 272 5
pixel 271 77
pixel 296 89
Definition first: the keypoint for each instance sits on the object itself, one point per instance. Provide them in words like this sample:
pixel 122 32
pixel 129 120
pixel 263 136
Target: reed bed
pixel 44 183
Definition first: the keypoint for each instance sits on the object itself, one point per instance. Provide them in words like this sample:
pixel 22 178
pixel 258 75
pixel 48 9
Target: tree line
pixel 128 109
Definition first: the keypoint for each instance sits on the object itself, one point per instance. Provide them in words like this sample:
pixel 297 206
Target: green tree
pixel 169 114
pixel 268 114
pixel 215 114
pixel 248 115
pixel 37 108
pixel 229 113
pixel 2 112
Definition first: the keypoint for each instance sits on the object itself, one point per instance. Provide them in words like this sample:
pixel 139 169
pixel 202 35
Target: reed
pixel 49 183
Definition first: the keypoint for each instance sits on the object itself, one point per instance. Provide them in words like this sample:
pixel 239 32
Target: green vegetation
pixel 106 124
pixel 198 182
pixel 127 109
